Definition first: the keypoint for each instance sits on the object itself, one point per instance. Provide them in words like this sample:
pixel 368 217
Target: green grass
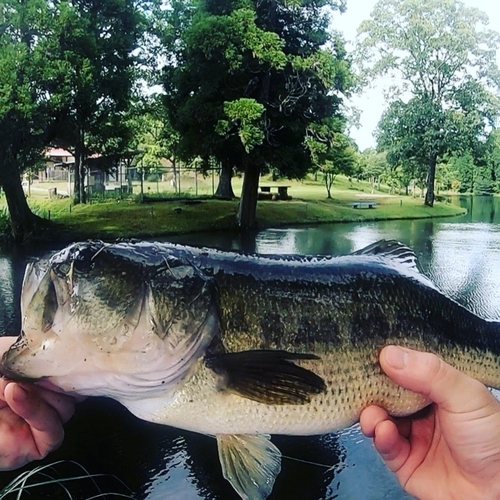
pixel 129 218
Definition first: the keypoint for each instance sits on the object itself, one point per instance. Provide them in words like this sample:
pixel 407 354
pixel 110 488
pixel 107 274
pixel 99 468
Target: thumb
pixel 429 375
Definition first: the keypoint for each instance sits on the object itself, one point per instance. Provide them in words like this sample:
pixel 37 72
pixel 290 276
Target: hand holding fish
pixel 453 449
pixel 31 419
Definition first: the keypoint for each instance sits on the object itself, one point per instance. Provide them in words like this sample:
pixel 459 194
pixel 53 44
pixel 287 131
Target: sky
pixel 371 101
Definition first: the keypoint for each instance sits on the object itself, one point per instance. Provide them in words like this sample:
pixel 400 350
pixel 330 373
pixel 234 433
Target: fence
pixel 163 181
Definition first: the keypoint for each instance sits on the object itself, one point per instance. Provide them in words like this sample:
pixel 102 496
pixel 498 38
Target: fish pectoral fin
pixel 268 377
pixel 250 463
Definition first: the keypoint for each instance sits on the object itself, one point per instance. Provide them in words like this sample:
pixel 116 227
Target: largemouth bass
pixel 240 346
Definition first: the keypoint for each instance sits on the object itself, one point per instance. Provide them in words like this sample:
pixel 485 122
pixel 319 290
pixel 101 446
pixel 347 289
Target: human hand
pixel 31 419
pixel 452 450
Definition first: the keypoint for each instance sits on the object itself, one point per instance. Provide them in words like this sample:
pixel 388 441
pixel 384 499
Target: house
pixel 103 173
pixel 58 163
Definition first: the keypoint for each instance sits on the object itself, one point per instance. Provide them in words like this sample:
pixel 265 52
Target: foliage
pixel 446 58
pixel 332 152
pixel 27 107
pixel 94 41
pixel 372 165
pixel 246 117
pixel 152 137
pixel 463 168
pixel 247 80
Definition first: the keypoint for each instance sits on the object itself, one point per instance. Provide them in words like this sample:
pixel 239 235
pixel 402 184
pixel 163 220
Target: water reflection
pixel 465 264
pixel 11 274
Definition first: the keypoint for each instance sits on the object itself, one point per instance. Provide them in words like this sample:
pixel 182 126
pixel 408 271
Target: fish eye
pixel 83 260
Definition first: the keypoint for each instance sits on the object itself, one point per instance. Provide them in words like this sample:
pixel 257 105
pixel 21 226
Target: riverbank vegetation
pixel 173 214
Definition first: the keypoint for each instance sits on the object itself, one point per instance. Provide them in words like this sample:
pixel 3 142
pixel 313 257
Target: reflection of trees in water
pixel 466 266
pixel 11 275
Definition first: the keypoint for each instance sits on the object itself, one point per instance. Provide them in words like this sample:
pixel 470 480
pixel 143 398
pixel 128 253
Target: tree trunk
pixel 77 171
pixel 328 185
pixel 225 188
pixel 431 176
pixel 247 219
pixel 22 219
pixel 79 191
pixel 83 196
pixel 174 170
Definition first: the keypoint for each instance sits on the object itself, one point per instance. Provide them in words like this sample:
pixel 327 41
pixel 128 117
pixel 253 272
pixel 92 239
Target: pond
pixel 461 255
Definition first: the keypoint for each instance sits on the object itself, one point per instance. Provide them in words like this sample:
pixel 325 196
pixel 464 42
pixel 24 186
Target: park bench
pixel 363 204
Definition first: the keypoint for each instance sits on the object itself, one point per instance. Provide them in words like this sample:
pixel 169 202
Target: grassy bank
pixel 129 218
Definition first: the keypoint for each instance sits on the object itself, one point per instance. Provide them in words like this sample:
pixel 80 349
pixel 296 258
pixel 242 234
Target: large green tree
pixel 27 108
pixel 95 43
pixel 444 55
pixel 248 80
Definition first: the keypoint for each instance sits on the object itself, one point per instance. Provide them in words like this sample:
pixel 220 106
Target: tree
pixel 153 139
pixel 94 43
pixel 248 80
pixel 27 109
pixel 492 154
pixel 446 59
pixel 372 166
pixel 332 152
pixel 413 136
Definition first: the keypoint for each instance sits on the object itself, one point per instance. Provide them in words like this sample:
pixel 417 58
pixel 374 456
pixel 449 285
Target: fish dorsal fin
pixel 393 250
pixel 267 376
pixel 250 463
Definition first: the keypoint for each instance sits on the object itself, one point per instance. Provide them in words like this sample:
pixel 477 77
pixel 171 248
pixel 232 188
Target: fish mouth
pixel 17 350
pixel 15 376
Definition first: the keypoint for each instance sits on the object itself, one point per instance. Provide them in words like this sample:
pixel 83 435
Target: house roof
pixel 57 152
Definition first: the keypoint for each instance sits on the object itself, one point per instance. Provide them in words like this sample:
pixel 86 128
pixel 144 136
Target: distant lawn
pixel 129 218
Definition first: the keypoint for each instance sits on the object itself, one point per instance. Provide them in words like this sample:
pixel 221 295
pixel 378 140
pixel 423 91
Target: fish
pixel 236 346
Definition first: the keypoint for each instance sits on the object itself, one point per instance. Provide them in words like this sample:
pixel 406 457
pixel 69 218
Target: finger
pixel 62 403
pixel 3 385
pixel 393 447
pixel 429 375
pixel 43 419
pixel 369 419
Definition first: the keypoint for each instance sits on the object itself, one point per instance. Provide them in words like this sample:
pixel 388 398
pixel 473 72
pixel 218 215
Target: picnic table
pixel 266 192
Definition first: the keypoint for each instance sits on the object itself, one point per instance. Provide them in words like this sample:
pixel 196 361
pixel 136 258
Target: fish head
pixel 117 320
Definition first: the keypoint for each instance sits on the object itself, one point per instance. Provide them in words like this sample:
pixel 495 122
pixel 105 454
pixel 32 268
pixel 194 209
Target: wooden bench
pixel 266 192
pixel 363 204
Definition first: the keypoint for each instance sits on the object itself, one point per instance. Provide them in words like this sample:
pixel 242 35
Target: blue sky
pixel 371 102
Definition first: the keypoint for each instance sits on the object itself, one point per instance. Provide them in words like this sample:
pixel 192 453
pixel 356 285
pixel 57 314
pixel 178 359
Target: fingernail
pixel 396 357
